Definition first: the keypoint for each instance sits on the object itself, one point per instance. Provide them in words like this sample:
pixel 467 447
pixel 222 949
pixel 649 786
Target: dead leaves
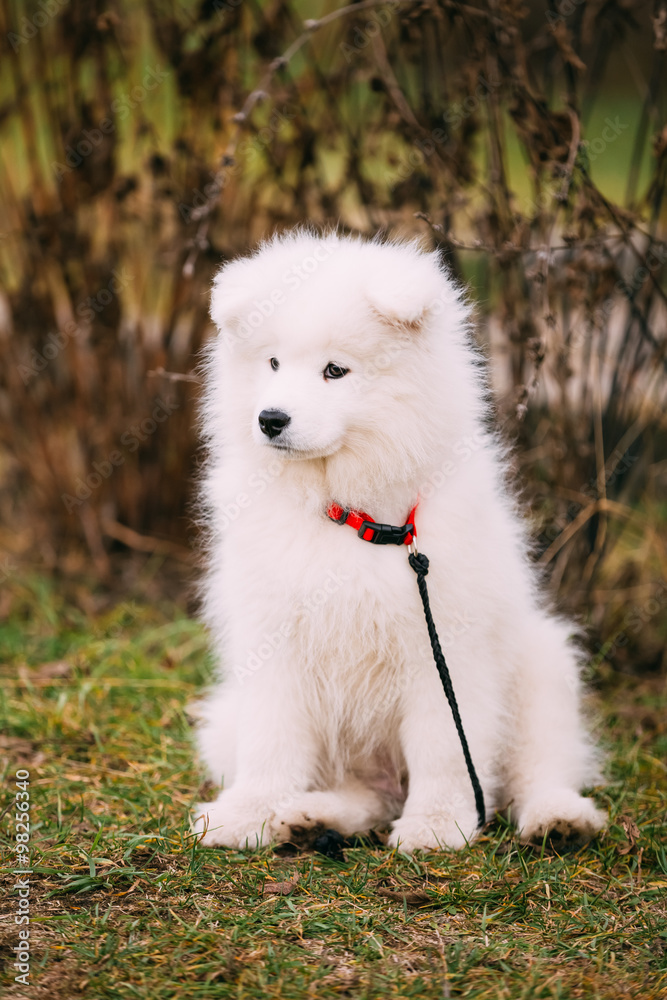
pixel 281 888
pixel 631 831
pixel 411 897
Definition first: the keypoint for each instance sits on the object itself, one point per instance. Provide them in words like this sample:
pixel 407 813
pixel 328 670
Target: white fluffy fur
pixel 329 708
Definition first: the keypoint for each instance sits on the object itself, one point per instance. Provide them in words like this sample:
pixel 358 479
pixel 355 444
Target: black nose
pixel 272 422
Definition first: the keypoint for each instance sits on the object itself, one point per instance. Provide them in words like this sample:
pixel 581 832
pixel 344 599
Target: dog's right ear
pixel 229 298
pixel 403 295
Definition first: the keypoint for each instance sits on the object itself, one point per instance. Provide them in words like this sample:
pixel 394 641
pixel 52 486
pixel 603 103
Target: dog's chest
pixel 330 593
pixel 334 603
pixel 359 609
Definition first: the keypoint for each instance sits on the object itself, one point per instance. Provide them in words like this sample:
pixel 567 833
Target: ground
pixel 123 903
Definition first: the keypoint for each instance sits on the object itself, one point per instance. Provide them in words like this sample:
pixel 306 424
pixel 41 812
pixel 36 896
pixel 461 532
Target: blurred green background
pixel 142 143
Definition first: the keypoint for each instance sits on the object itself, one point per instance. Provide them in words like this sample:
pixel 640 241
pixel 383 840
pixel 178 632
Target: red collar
pixel 370 531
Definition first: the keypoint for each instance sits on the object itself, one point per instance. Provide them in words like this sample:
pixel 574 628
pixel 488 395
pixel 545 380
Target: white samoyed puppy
pixel 344 373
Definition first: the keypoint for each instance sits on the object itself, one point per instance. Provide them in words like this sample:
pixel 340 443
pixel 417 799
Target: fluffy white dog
pixel 344 373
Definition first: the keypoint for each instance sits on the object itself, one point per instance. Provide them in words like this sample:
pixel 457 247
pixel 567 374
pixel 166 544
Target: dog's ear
pixel 403 295
pixel 229 298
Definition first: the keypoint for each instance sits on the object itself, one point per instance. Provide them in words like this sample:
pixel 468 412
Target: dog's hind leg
pixel 217 734
pixel 552 758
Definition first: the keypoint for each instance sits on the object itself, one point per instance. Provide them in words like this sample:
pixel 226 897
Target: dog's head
pixel 331 348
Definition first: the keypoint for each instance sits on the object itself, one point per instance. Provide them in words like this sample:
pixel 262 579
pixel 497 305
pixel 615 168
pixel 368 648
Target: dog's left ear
pixel 403 294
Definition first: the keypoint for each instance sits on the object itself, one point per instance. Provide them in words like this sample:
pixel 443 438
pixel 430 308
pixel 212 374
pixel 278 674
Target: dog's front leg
pixel 277 759
pixel 440 808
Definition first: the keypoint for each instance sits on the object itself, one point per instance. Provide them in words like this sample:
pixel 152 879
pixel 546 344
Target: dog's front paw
pixel 432 832
pixel 561 814
pixel 349 811
pixel 235 821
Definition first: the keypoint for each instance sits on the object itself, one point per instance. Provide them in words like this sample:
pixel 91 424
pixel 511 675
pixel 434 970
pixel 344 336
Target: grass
pixel 124 905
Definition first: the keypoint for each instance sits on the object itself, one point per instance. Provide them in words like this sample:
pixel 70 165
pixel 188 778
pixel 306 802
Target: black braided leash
pixel 387 534
pixel 419 563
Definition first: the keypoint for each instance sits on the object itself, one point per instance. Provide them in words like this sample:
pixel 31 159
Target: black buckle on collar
pixel 385 534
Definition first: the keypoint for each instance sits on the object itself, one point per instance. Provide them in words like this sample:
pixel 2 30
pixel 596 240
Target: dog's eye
pixel 275 364
pixel 334 371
